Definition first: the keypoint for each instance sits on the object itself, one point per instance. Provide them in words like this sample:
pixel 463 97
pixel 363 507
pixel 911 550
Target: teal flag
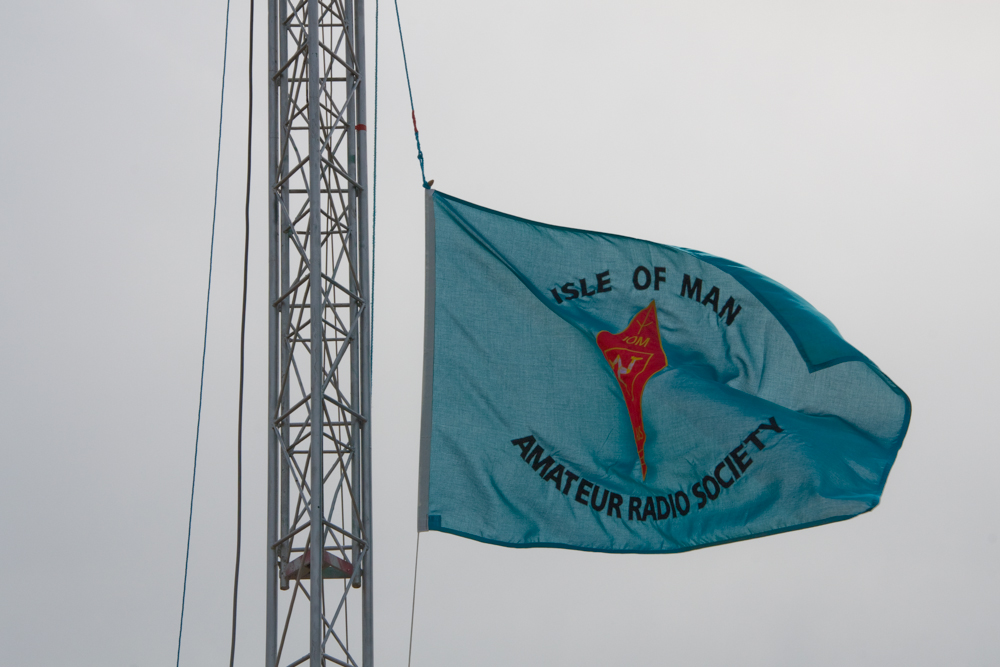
pixel 598 392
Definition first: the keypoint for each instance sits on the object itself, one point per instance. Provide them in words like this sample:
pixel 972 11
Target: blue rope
pixel 204 342
pixel 420 157
pixel 413 113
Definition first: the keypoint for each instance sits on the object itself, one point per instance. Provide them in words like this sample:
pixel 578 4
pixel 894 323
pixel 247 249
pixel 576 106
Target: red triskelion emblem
pixel 636 354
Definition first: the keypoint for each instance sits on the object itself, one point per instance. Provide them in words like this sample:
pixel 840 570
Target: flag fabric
pixel 591 391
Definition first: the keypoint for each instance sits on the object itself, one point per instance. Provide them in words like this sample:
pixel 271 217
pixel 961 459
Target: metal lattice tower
pixel 319 441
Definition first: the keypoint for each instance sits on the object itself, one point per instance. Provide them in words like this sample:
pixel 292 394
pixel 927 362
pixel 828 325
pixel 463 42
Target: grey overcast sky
pixel 850 150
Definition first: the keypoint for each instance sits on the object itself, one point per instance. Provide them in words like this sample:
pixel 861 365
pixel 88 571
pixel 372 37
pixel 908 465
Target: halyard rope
pixel 243 331
pixel 204 342
pixel 409 89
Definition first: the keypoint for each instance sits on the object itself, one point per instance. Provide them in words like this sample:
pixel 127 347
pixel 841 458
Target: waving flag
pixel 597 392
